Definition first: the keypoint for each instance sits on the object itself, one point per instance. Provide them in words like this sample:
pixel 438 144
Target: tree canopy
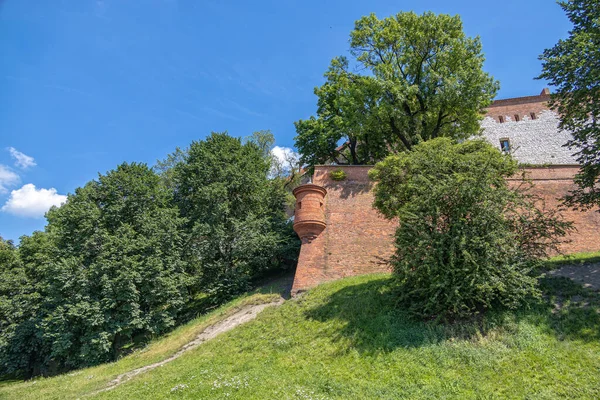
pixel 573 67
pixel 417 77
pixel 130 253
pixel 106 272
pixel 236 222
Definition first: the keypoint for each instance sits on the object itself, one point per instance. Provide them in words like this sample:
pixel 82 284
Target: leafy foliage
pixel 466 241
pixel 236 224
pixel 338 174
pixel 573 67
pixel 18 301
pixel 107 272
pixel 126 255
pixel 422 79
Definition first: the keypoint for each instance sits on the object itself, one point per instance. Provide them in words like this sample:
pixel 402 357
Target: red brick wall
pixel 357 240
pixel 552 183
pixel 521 106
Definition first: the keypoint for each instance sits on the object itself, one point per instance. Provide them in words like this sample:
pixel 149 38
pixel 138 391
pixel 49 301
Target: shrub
pixel 466 240
pixel 338 174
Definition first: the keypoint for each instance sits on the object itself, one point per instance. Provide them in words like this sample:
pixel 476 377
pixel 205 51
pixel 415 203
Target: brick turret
pixel 309 223
pixel 309 215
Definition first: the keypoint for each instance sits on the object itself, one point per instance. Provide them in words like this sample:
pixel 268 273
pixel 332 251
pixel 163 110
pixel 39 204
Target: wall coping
pixel 519 100
pixel 523 167
pixel 309 187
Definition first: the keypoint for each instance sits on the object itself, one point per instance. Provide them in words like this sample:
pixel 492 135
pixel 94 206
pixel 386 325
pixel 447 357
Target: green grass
pixel 346 340
pixel 573 259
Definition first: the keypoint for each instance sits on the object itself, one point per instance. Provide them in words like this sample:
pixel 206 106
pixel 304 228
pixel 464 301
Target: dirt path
pixel 588 275
pixel 243 315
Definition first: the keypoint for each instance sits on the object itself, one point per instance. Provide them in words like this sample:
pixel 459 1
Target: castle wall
pixel 535 142
pixel 357 240
pixel 521 106
pixel 551 184
pixel 531 128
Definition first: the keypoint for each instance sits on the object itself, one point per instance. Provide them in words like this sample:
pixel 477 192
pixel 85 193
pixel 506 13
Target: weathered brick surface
pixel 553 183
pixel 357 240
pixel 521 106
pixel 312 263
pixel 309 219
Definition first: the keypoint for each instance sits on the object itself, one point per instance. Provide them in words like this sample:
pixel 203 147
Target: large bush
pixel 466 240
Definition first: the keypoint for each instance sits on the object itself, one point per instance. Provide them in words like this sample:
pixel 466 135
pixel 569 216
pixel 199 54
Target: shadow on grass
pixel 571 310
pixel 373 323
pixel 279 283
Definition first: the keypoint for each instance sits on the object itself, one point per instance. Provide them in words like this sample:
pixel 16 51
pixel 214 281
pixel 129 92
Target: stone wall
pixel 357 240
pixel 531 128
pixel 536 142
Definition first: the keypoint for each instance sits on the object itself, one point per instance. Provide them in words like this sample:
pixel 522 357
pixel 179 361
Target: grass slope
pixel 347 340
pixel 81 382
pixel 573 259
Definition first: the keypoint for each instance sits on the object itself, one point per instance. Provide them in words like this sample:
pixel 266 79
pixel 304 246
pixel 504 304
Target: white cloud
pixel 22 160
pixel 285 160
pixel 31 202
pixel 7 178
pixel 285 155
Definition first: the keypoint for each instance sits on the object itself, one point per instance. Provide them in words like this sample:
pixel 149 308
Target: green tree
pixel 165 168
pixel 236 224
pixel 264 140
pixel 421 78
pixel 573 67
pixel 118 276
pixel 107 273
pixel 18 303
pixel 285 167
pixel 466 240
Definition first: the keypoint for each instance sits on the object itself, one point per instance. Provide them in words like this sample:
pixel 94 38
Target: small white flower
pixel 179 387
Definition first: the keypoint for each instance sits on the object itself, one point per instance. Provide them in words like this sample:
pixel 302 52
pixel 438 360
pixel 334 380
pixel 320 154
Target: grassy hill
pixel 346 340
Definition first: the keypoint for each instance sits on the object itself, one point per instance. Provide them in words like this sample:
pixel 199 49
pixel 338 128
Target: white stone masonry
pixel 536 142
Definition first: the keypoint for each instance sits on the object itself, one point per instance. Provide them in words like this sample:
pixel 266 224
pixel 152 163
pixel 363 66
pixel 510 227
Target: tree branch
pixel 438 125
pixel 401 136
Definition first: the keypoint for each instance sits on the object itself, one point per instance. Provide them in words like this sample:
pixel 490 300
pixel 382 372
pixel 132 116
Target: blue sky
pixel 88 84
